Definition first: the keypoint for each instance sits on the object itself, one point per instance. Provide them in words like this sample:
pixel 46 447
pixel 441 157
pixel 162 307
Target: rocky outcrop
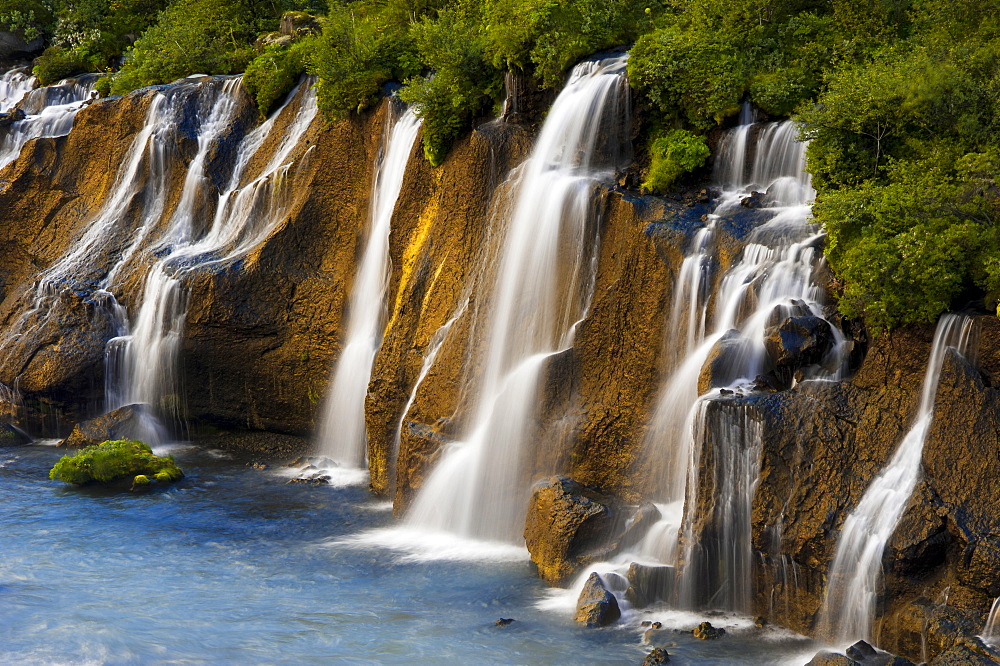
pixel 569 526
pixel 129 422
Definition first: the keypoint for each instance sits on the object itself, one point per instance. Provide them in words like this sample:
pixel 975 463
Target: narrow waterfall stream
pixel 143 359
pixel 343 437
pixel 848 612
pixel 542 289
pixel 14 85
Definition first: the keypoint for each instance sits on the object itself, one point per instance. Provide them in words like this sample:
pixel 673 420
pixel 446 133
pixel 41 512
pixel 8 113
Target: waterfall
pixel 852 589
pixel 991 630
pixel 49 112
pixel 771 280
pixel 14 85
pixel 544 254
pixel 343 435
pixel 143 360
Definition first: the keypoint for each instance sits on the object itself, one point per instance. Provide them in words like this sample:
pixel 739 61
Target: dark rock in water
pixel 722 366
pixel 769 382
pixel 783 311
pixel 799 341
pixel 656 656
pixel 12 436
pixel 129 422
pixel 760 622
pixel 8 119
pixel 504 621
pixel 596 607
pixel 706 632
pixel 824 658
pixel 648 584
pixel 569 525
pixel 755 200
pixel 861 651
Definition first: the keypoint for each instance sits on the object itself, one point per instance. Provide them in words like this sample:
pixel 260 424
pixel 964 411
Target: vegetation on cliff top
pixel 899 97
pixel 113 461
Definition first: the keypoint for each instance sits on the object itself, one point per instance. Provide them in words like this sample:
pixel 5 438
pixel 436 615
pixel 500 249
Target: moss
pixel 141 480
pixel 672 154
pixel 111 461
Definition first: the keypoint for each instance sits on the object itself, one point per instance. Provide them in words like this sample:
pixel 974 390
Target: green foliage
pixel 113 460
pixel 673 154
pixel 275 72
pixel 27 19
pixel 194 36
pixel 56 63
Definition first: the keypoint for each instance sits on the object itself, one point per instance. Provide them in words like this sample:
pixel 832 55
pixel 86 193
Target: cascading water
pixel 772 280
pixel 49 112
pixel 343 437
pixel 543 283
pixel 14 85
pixel 849 608
pixel 991 631
pixel 142 360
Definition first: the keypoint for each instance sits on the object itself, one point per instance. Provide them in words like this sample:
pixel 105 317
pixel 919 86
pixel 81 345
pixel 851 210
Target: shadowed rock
pixel 596 607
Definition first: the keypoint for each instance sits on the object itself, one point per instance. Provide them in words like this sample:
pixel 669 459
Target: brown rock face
pixel 129 422
pixel 597 607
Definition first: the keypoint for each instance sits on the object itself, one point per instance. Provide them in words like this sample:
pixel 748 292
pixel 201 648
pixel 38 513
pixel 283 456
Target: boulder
pixel 8 119
pixel 656 656
pixel 12 435
pixel 861 651
pixel 722 365
pixel 129 422
pixel 569 525
pixel 798 341
pixel 648 584
pixel 706 632
pixel 596 606
pixel 825 658
pixel 11 44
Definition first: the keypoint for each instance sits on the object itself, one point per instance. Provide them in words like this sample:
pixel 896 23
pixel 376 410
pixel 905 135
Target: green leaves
pixel 673 154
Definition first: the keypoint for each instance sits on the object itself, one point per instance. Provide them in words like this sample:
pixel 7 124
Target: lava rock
pixel 129 422
pixel 569 525
pixel 861 651
pixel 798 341
pixel 825 658
pixel 596 607
pixel 656 656
pixel 706 632
pixel 648 584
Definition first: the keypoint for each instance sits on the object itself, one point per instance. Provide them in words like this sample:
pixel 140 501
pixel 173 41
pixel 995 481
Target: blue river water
pixel 235 565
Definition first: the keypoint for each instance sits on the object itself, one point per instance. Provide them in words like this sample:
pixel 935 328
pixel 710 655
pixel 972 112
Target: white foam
pixel 421 545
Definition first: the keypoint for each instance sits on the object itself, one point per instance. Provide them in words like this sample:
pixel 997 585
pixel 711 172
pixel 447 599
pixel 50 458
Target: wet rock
pixel 825 658
pixel 596 606
pixel 755 200
pixel 648 584
pixel 569 525
pixel 721 366
pixel 962 655
pixel 861 651
pixel 8 119
pixel 706 632
pixel 656 656
pixel 11 44
pixel 13 436
pixel 760 622
pixel 798 341
pixel 503 622
pixel 129 422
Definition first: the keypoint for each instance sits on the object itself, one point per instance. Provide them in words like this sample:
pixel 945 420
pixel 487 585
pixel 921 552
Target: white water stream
pixel 543 284
pixel 343 434
pixel 50 111
pixel 853 583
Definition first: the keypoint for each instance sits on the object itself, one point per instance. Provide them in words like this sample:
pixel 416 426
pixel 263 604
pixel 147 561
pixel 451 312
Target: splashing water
pixel 849 608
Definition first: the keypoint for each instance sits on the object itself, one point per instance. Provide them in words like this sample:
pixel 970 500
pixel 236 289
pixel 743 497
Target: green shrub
pixel 673 154
pixel 56 63
pixel 114 460
pixel 275 72
pixel 28 19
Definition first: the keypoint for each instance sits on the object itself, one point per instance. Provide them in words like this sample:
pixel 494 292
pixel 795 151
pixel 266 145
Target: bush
pixel 114 460
pixel 56 64
pixel 673 154
pixel 275 72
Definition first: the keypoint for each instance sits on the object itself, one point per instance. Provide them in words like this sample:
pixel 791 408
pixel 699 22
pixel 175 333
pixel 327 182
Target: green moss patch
pixel 113 461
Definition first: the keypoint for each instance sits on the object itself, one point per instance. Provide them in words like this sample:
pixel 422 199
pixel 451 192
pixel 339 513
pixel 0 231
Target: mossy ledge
pixel 115 461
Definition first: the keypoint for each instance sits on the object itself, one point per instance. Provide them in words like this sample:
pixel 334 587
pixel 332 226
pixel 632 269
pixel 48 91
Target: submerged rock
pixel 656 656
pixel 596 607
pixel 504 621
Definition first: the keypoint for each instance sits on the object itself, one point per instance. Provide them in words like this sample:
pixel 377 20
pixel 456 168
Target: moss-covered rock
pixel 112 461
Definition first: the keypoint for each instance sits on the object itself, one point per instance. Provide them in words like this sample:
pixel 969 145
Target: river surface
pixel 235 565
